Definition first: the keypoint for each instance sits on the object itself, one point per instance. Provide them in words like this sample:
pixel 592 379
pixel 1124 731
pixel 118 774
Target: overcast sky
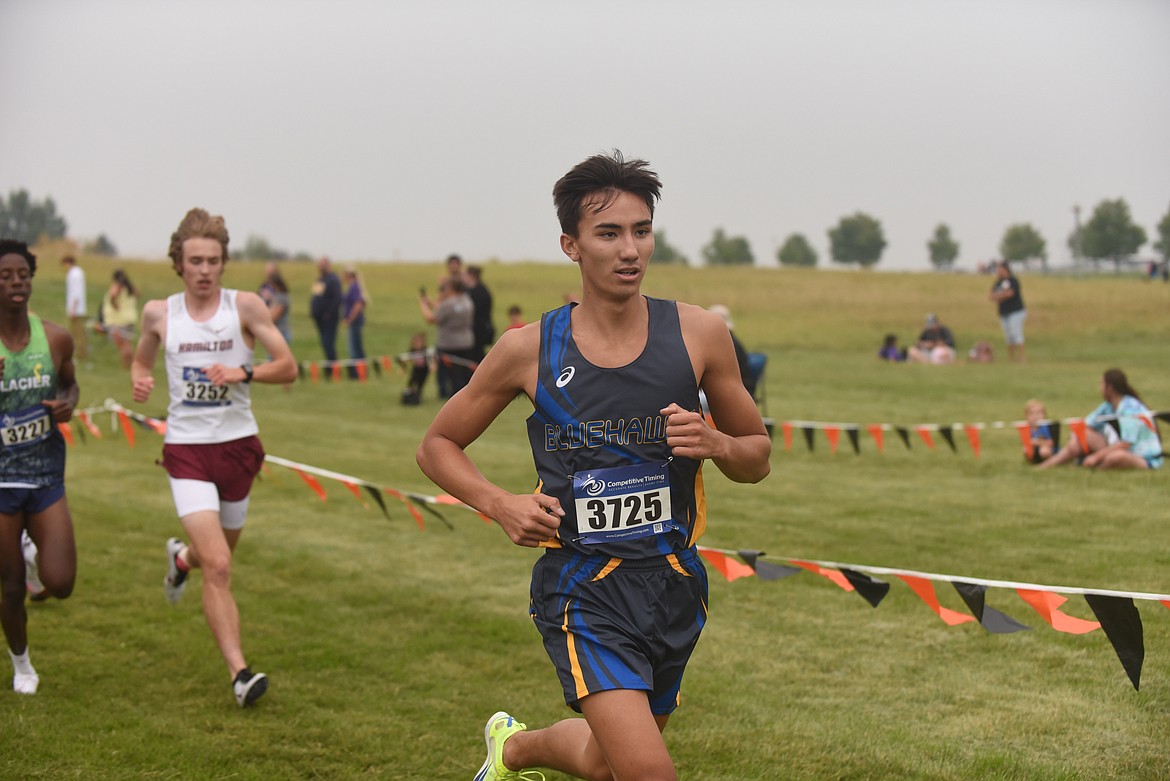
pixel 395 129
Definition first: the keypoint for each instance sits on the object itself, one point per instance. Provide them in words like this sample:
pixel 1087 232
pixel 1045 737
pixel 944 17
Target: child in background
pixel 515 317
pixel 889 350
pixel 420 368
pixel 1040 434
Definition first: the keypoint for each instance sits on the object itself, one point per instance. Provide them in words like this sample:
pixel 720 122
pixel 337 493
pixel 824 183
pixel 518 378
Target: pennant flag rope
pixel 926 431
pixel 361 367
pixel 122 417
pixel 1116 613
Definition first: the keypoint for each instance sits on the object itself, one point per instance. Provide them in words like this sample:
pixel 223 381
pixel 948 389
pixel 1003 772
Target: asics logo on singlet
pixel 566 376
pixel 593 486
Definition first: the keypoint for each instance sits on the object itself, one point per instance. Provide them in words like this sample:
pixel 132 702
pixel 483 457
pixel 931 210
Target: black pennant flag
pixel 1054 427
pixel 766 570
pixel 426 506
pixel 374 492
pixel 989 618
pixel 871 589
pixel 1123 626
pixel 904 433
pixel 808 436
pixel 948 435
pixel 377 367
pixel 853 440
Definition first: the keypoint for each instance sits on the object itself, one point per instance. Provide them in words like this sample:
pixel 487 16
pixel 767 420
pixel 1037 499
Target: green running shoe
pixel 499 728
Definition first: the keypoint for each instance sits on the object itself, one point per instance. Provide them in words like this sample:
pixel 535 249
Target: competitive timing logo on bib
pixel 566 376
pixel 593 486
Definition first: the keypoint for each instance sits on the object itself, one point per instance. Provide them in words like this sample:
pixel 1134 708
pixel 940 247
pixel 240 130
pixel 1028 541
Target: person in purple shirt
pixel 354 315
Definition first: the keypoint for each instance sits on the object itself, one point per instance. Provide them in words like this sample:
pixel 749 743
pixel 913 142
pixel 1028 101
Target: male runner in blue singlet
pixel 620 594
pixel 38 390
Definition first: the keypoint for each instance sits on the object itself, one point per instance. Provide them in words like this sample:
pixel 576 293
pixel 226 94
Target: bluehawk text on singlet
pixel 599 433
pixel 206 347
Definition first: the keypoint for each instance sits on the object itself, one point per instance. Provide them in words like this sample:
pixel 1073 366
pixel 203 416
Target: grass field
pixel 388 647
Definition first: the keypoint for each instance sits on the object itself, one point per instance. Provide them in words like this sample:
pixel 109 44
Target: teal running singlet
pixel 32 450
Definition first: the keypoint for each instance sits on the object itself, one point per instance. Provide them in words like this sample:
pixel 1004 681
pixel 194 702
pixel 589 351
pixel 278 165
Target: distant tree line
pixel 1109 234
pixel 26 219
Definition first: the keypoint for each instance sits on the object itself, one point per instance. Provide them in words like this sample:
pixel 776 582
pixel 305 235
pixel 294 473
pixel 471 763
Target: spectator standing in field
pixel 211 451
pixel 275 294
pixel 936 344
pixel 1006 294
pixel 75 307
pixel 619 599
pixel 1117 435
pixel 120 315
pixel 354 306
pixel 741 356
pixel 38 391
pixel 452 314
pixel 455 267
pixel 481 299
pixel 325 307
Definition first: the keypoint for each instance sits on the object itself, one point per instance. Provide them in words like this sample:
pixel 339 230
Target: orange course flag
pixel 730 568
pixel 1025 432
pixel 1046 603
pixel 925 591
pixel 312 483
pixel 833 434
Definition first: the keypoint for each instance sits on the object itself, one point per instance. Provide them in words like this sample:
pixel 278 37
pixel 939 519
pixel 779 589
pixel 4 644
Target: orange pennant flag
pixel 834 575
pixel 730 568
pixel 387 364
pixel 314 372
pixel 1078 427
pixel 66 432
pixel 409 506
pixel 336 371
pixel 1025 432
pixel 312 483
pixel 875 431
pixel 1149 421
pixel 357 492
pixel 786 427
pixel 1046 603
pixel 925 591
pixel 973 438
pixel 363 372
pixel 924 432
pixel 159 426
pixel 97 432
pixel 833 434
pixel 1165 602
pixel 127 429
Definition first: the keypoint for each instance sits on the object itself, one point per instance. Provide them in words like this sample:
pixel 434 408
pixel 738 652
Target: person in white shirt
pixel 75 306
pixel 211 449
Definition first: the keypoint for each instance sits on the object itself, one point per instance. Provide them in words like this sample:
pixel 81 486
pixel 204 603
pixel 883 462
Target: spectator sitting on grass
pixel 936 344
pixel 1117 435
